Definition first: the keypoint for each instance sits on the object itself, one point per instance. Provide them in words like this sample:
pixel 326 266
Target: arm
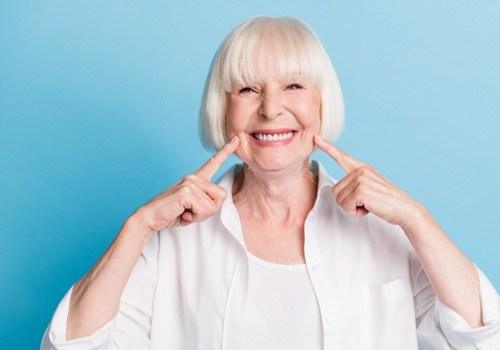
pixel 453 277
pixel 95 299
pixel 133 320
pixel 440 327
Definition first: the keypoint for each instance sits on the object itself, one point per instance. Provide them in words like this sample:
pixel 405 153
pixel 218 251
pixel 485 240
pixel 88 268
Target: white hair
pixel 296 51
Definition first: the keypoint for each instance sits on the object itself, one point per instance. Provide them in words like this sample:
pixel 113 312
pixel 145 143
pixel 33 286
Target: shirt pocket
pixel 381 316
pixel 393 290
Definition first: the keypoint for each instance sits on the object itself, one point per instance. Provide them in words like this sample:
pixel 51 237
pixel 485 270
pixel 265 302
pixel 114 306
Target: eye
pixel 246 90
pixel 294 87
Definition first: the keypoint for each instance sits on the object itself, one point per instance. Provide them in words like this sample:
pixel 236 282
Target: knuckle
pixel 186 190
pixel 337 196
pixel 361 171
pixel 223 193
pixel 190 178
pixel 370 168
pixel 365 170
pixel 361 189
pixel 214 207
pixel 335 191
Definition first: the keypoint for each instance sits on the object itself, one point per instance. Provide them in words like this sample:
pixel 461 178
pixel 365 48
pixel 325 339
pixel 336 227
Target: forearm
pixel 95 299
pixel 453 277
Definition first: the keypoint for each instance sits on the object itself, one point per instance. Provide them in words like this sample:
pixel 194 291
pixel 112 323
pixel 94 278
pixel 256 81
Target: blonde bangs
pixel 271 46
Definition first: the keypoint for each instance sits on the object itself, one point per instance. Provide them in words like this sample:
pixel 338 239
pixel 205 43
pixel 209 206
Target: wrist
pixel 137 226
pixel 415 217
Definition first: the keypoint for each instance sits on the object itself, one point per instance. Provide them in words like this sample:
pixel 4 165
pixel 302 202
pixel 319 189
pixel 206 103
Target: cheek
pixel 236 120
pixel 312 120
pixel 310 111
pixel 234 125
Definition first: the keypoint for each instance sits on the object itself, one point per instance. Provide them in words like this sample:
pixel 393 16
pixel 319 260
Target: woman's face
pixel 275 121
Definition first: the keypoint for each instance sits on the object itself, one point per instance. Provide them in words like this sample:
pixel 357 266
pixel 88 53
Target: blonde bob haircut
pixel 296 53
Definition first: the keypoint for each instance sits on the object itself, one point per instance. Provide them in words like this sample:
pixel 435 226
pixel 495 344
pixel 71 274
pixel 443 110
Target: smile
pixel 273 137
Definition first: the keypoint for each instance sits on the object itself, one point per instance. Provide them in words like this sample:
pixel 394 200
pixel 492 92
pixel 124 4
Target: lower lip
pixel 274 143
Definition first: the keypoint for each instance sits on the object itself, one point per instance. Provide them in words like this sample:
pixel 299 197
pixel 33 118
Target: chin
pixel 275 164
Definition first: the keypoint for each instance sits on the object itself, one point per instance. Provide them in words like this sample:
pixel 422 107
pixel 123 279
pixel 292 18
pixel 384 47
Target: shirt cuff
pixel 458 332
pixel 55 335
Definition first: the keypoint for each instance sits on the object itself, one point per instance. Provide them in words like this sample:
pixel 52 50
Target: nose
pixel 271 106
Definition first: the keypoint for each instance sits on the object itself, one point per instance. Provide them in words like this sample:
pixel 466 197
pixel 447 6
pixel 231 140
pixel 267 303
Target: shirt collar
pixel 229 214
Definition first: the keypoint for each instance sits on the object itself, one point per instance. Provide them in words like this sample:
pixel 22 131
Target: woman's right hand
pixel 95 299
pixel 193 199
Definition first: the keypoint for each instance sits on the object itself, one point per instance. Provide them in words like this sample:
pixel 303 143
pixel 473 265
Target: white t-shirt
pixel 190 289
pixel 282 311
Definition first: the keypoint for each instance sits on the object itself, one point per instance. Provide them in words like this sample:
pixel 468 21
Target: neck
pixel 278 195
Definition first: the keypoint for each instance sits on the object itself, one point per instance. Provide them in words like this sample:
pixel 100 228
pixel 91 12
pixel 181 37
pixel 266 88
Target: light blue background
pixel 98 113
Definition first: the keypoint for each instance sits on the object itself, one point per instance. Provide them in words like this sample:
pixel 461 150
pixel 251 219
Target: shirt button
pixel 330 320
pixel 317 268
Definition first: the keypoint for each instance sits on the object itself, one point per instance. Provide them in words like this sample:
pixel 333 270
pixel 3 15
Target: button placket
pixel 321 285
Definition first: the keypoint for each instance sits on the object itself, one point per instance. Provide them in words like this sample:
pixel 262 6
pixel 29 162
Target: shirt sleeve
pixel 439 327
pixel 131 327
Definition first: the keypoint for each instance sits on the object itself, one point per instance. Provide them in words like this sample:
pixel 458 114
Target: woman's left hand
pixel 365 190
pixel 453 277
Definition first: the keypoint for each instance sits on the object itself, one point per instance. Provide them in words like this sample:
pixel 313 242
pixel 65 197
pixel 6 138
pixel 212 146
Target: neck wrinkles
pixel 276 195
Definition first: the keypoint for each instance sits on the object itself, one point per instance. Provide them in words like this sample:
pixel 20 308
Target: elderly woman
pixel 278 255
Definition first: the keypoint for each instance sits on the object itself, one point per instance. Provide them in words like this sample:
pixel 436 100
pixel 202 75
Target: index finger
pixel 346 161
pixel 210 168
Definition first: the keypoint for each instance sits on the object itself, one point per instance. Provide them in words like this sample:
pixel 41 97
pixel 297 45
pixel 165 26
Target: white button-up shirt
pixel 189 288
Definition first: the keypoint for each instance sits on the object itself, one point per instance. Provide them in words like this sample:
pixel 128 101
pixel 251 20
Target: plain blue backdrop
pixel 99 104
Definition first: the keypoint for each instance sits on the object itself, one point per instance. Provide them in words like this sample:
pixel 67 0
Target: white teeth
pixel 274 137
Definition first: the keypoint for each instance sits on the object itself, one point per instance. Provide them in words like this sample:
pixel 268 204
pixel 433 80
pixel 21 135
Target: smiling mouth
pixel 273 137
